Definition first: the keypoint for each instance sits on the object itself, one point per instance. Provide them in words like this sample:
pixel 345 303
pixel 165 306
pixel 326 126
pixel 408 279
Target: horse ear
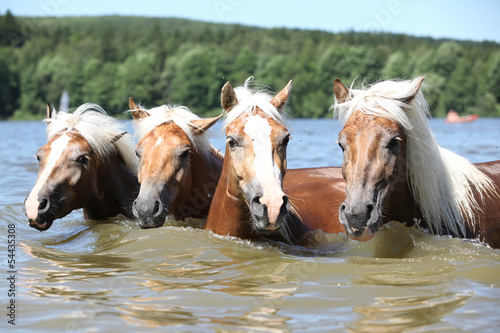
pixel 131 104
pixel 137 112
pixel 49 114
pixel 282 97
pixel 202 125
pixel 118 137
pixel 416 88
pixel 228 97
pixel 341 91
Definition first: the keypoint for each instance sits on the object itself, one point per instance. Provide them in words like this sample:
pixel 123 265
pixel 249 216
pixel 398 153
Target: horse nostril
pixel 157 208
pixel 284 206
pixel 369 209
pixel 134 208
pixel 257 207
pixel 285 200
pixel 43 205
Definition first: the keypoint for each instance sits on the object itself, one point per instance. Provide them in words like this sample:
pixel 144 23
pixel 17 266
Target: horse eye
pixel 184 154
pixel 394 143
pixel 83 159
pixel 341 147
pixel 232 143
pixel 137 153
pixel 286 140
pixel 38 157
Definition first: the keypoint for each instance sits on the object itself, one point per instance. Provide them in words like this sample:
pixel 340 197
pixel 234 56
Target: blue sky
pixel 460 19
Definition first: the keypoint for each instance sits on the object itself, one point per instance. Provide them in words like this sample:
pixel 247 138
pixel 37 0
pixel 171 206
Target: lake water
pixel 81 276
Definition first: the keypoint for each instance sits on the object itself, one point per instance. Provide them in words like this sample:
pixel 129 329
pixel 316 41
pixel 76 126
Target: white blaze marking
pixel 260 132
pixel 159 141
pixel 266 171
pixel 56 150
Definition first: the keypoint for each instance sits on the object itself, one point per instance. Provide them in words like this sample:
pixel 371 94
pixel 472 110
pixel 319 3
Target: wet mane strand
pixel 248 100
pixel 441 181
pixel 179 115
pixel 99 129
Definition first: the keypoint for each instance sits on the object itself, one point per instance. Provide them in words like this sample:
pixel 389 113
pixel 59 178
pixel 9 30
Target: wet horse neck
pixel 115 189
pixel 228 214
pixel 205 173
pixel 401 205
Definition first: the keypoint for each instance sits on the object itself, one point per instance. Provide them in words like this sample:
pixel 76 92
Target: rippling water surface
pixel 83 276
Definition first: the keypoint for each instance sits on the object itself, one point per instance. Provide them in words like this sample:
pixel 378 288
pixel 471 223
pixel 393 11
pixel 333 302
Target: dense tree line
pixel 163 60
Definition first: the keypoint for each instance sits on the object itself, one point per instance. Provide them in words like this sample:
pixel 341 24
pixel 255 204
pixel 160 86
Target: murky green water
pixel 83 276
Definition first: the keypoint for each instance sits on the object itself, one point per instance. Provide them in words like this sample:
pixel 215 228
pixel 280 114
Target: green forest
pixel 105 60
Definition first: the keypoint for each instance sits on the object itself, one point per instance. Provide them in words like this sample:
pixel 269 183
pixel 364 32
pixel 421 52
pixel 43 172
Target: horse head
pixel 394 166
pixel 374 148
pixel 171 139
pixel 79 144
pixel 255 159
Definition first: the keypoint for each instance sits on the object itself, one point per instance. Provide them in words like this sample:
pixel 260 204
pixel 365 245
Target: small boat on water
pixel 453 118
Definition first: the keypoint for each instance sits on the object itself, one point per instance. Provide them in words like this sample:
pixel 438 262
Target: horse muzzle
pixel 149 212
pixel 269 215
pixel 39 225
pixel 40 212
pixel 360 221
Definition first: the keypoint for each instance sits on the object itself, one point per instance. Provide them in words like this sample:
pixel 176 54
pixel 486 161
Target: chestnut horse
pixel 88 162
pixel 395 169
pixel 249 201
pixel 178 168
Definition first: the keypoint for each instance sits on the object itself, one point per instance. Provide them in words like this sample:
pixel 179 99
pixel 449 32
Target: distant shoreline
pixel 108 59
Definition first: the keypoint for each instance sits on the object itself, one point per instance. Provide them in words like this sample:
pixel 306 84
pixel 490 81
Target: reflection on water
pixel 403 313
pixel 112 276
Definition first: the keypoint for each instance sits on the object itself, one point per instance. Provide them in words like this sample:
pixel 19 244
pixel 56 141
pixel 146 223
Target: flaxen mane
pixel 248 100
pixel 181 116
pixel 99 129
pixel 441 181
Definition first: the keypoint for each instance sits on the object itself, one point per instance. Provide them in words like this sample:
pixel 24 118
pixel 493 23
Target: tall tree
pixel 9 84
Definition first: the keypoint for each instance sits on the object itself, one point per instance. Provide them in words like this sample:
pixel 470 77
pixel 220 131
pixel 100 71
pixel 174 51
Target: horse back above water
pixel 178 168
pixel 395 170
pixel 88 162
